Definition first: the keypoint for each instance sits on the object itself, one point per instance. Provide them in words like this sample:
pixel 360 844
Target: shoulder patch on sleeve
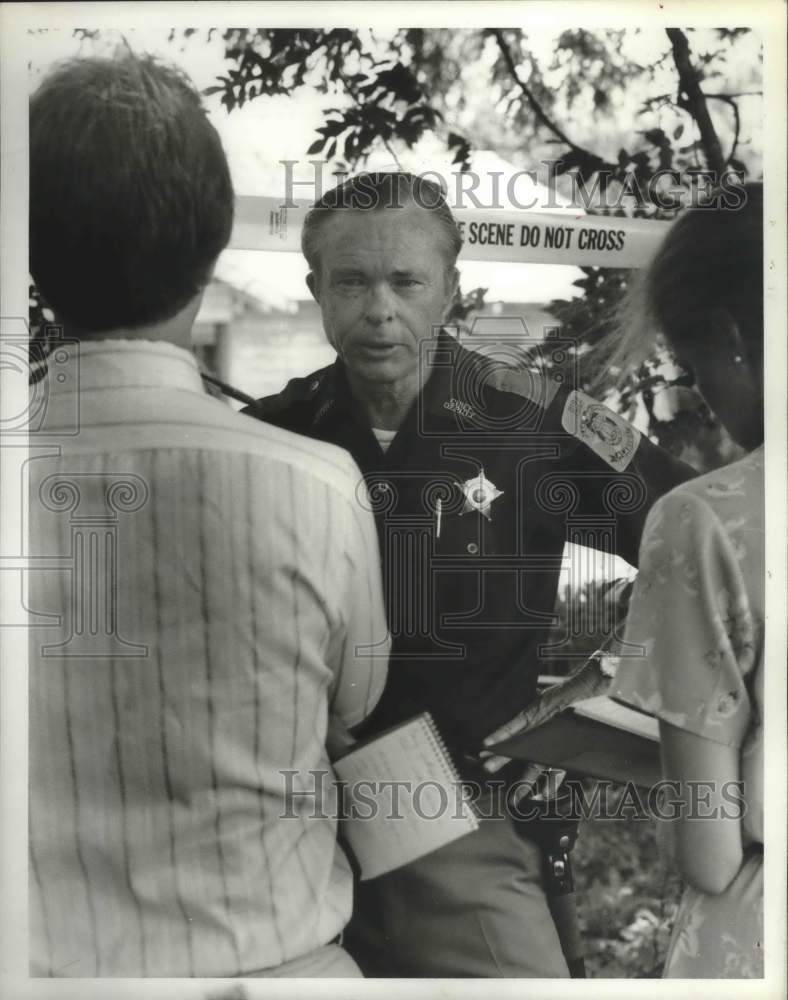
pixel 525 382
pixel 607 434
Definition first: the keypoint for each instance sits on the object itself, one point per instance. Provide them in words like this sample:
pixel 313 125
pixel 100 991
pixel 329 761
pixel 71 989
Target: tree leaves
pixel 396 81
pixel 398 88
pixel 278 61
pixel 585 164
pixel 462 150
pixel 389 102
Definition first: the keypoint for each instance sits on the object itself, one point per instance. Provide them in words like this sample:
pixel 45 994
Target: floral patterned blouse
pixel 697 608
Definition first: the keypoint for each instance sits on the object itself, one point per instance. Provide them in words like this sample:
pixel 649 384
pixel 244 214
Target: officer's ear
pixel 313 285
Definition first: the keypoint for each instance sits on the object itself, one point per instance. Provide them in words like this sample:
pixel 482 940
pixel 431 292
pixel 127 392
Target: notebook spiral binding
pixel 452 774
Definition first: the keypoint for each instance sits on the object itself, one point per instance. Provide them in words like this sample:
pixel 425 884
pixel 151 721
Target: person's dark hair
pixel 373 191
pixel 131 200
pixel 710 261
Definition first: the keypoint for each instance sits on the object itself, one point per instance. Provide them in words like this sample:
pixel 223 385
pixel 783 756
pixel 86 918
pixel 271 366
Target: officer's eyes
pixel 356 281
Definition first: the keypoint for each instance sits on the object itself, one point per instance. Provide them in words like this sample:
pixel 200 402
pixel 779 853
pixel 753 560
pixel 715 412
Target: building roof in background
pixel 251 279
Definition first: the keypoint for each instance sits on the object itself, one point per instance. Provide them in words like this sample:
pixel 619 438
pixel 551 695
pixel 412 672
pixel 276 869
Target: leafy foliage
pixel 393 90
pixel 627 898
pixel 586 619
pixel 39 315
pixel 387 102
pixel 464 306
pixel 278 61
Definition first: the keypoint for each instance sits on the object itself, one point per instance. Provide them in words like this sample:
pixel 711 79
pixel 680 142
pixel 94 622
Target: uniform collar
pixel 331 395
pixel 123 364
pixel 334 399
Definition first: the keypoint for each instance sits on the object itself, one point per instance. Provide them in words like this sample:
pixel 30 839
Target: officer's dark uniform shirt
pixel 491 472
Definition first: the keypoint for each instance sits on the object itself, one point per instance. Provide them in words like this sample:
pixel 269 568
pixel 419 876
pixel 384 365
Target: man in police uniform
pixel 478 473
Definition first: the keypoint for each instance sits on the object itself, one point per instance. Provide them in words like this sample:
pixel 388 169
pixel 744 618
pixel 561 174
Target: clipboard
pixel 597 738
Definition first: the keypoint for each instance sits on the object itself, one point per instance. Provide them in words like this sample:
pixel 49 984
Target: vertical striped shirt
pixel 213 595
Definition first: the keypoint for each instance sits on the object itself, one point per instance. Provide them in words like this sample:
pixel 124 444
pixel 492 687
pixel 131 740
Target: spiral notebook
pixel 402 797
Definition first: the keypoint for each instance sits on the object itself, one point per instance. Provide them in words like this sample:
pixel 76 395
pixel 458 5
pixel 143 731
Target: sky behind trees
pixel 268 129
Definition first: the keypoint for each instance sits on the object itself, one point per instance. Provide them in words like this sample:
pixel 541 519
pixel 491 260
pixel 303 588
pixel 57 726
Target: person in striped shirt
pixel 205 590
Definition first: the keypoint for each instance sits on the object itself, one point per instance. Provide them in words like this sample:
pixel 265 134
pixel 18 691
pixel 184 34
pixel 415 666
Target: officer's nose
pixel 380 304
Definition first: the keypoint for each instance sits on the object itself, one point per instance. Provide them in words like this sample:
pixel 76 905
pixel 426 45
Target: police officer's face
pixel 383 287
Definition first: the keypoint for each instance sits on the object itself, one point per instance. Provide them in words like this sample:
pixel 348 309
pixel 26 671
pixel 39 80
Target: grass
pixel 626 897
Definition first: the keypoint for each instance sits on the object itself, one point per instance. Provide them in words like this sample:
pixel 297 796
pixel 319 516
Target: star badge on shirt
pixel 479 494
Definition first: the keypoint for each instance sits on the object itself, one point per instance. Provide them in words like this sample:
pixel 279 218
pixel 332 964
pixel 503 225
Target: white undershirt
pixel 384 438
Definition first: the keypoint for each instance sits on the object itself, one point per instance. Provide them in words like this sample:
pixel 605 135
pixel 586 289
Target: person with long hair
pixel 697 610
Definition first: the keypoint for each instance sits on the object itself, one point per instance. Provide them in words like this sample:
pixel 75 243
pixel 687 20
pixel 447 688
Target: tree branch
pixel 736 121
pixel 536 107
pixel 740 93
pixel 694 100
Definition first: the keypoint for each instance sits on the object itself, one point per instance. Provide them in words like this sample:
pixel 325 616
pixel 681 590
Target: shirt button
pixel 473 548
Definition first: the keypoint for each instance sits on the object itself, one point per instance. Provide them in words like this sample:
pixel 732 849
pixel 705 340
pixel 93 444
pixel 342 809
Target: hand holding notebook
pixel 590 680
pixel 597 737
pixel 402 797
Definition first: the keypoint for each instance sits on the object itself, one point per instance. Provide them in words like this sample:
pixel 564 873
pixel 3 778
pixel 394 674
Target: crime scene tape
pixel 262 223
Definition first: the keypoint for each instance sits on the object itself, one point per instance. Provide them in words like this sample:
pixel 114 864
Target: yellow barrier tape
pixel 261 223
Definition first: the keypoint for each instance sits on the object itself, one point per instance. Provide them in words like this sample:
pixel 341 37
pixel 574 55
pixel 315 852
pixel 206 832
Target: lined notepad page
pixel 386 828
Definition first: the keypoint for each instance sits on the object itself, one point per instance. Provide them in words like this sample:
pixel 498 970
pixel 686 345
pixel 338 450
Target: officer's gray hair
pixel 370 191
